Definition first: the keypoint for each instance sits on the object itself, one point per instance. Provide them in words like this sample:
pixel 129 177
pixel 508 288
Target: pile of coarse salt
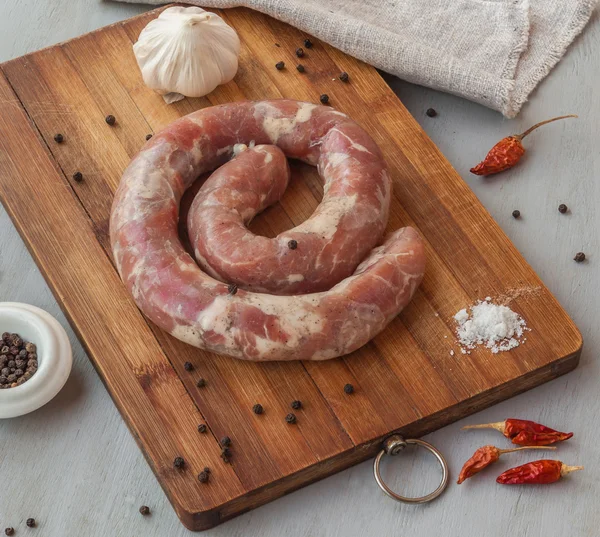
pixel 496 326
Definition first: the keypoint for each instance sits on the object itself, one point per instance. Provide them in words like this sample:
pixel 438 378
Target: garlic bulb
pixel 187 52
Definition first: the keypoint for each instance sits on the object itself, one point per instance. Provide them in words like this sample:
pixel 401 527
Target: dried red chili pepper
pixel 543 471
pixel 507 152
pixel 525 432
pixel 485 456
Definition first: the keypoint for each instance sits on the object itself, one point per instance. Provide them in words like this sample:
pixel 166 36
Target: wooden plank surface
pixel 71 87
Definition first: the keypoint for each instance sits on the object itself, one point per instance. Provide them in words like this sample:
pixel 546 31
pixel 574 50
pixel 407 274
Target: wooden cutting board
pixel 406 379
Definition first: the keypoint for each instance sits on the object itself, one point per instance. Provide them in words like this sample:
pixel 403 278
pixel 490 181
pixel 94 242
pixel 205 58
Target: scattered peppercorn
pixel 201 383
pixel 9 531
pixel 226 454
pixel 516 213
pixel 110 119
pixel 308 43
pixel 344 76
pixel 202 428
pixel 145 510
pixel 232 288
pixel 179 462
pixel 59 138
pixel 431 112
pixel 279 65
pixel 30 522
pixel 207 469
pixel 258 408
pixel 290 418
pixel 296 405
pixel 225 441
pixel 562 208
pixel 579 257
pixel 188 366
pixel 300 68
pixel 203 477
pixel 292 245
pixel 300 52
pixel 348 388
pixel 148 136
pixel 78 177
pixel 324 98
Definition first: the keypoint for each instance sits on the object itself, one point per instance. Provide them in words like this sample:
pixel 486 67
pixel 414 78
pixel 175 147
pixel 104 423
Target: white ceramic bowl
pixel 55 358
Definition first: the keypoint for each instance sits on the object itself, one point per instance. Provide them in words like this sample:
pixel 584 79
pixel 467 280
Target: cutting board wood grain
pixel 405 379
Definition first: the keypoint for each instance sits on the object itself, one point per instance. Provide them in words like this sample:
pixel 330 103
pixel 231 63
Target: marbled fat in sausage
pixel 178 296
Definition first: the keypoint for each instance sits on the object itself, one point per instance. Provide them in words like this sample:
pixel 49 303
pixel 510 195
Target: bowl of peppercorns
pixel 35 358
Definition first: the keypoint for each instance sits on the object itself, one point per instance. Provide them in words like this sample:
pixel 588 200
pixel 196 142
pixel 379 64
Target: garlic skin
pixel 187 52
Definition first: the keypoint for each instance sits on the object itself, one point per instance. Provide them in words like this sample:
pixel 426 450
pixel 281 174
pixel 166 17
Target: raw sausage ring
pixel 178 296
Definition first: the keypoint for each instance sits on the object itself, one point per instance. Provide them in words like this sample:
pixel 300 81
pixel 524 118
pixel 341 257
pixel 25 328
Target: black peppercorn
pixel 201 383
pixel 279 65
pixel 324 98
pixel 225 441
pixel 296 405
pixel 5 349
pixel 232 288
pixel 148 136
pixel 78 177
pixel 30 522
pixel 202 428
pixel 290 418
pixel 188 366
pixel 30 347
pixel 110 119
pixel 226 454
pixel 308 43
pixel 579 258
pixel 23 353
pixel 12 364
pixel 300 68
pixel 258 408
pixel 348 388
pixel 17 341
pixel 59 138
pixel 431 112
pixel 203 477
pixel 562 208
pixel 9 531
pixel 178 462
pixel 14 351
pixel 299 52
pixel 144 510
pixel 516 213
pixel 207 469
pixel 5 336
pixel 344 77
pixel 292 245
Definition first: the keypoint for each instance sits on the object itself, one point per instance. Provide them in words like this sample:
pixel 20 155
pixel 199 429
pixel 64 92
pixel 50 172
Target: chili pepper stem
pixel 531 129
pixel 565 469
pixel 501 451
pixel 498 425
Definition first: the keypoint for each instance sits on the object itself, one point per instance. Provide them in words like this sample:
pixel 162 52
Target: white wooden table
pixel 74 466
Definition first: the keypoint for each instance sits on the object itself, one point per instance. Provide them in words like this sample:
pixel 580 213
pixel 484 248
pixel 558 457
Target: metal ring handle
pixel 394 445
